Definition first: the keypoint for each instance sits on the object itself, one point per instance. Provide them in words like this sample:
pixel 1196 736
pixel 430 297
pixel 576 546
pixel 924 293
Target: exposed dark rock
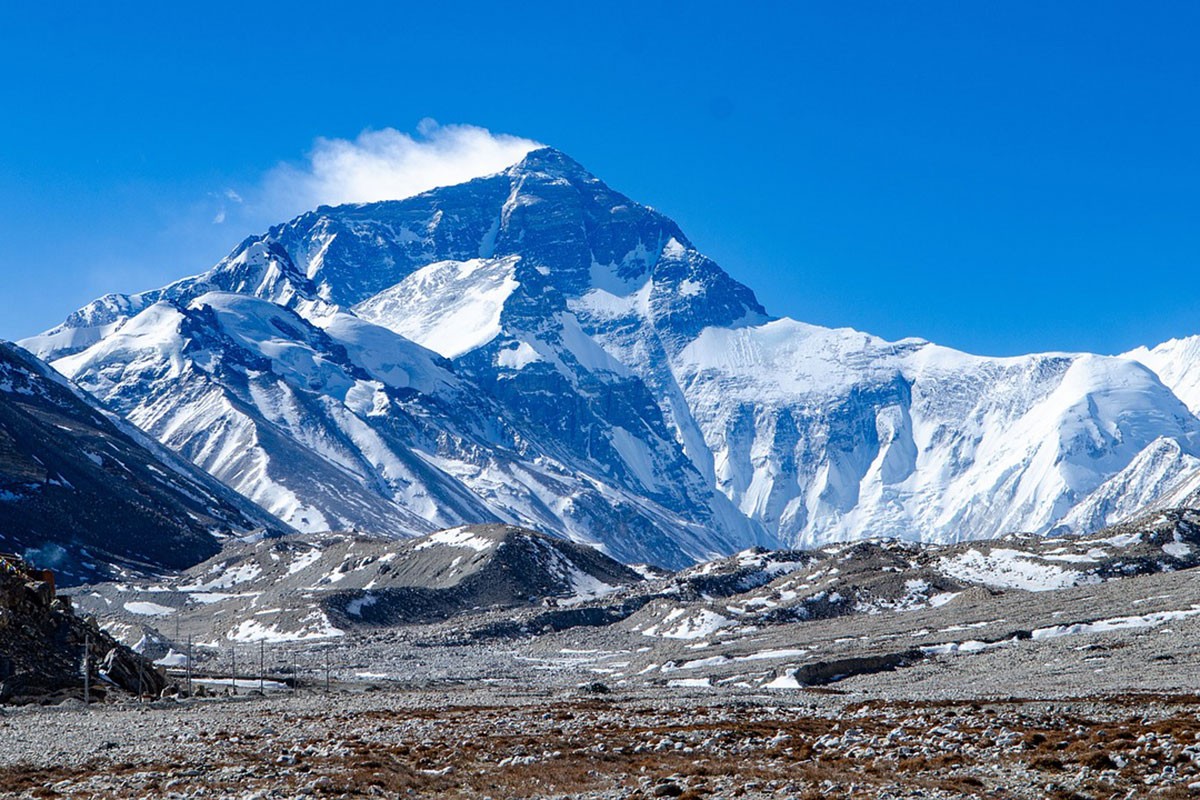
pixel 80 493
pixel 42 645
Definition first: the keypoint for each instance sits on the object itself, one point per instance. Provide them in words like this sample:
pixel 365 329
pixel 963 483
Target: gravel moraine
pixel 483 742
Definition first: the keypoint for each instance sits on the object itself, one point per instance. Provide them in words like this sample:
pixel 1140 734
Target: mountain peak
pixel 549 161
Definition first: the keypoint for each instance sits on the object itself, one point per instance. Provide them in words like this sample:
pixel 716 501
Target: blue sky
pixel 1000 178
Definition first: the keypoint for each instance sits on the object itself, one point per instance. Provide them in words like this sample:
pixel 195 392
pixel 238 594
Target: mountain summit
pixel 537 349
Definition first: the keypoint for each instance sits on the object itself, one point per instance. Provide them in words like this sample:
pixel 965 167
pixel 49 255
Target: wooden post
pixel 86 668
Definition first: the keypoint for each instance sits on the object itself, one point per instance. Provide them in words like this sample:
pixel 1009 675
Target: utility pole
pixel 189 666
pixel 86 668
pixel 262 662
pixel 233 660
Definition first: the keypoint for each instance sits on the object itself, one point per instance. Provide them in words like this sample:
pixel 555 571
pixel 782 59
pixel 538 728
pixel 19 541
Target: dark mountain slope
pixel 80 492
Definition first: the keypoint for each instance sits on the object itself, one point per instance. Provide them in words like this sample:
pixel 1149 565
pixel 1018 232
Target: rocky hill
pixel 313 587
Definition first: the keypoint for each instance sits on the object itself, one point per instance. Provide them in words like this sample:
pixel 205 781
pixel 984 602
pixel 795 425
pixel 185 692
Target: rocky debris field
pixel 501 582
pixel 1069 673
pixel 479 742
pixel 1082 692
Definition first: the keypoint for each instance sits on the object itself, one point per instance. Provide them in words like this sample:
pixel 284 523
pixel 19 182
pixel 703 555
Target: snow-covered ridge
pixel 461 303
pixel 535 348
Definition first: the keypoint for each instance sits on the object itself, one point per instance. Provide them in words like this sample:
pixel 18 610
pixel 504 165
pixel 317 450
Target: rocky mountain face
pixel 534 348
pixel 91 496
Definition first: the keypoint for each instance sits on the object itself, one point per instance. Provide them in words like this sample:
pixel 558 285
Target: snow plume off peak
pixel 390 165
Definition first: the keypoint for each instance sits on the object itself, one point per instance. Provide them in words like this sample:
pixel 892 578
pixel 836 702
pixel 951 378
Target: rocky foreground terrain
pixel 479 741
pixel 43 644
pixel 1023 667
pixel 1087 691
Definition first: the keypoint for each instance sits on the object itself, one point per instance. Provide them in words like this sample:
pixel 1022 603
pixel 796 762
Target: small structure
pixel 39 581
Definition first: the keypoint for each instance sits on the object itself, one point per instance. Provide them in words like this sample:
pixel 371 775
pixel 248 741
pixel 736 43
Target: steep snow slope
pixel 464 300
pixel 1177 364
pixel 918 438
pixel 607 382
pixel 350 425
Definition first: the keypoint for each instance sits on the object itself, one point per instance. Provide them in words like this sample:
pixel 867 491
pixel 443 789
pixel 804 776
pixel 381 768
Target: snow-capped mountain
pixel 83 492
pixel 538 349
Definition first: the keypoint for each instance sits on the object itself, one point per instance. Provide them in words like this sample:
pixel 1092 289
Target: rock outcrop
pixel 43 645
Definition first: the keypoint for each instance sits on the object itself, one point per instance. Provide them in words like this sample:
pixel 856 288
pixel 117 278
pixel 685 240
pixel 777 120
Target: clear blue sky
pixel 999 177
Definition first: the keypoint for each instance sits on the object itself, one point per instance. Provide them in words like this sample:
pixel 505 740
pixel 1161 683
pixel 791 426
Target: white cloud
pixel 389 165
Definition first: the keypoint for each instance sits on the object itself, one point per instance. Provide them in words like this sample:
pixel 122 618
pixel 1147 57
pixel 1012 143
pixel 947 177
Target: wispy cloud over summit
pixel 389 164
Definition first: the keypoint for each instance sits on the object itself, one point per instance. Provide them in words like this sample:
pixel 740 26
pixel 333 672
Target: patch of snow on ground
pixel 207 598
pixel 303 561
pixel 969 646
pixel 785 681
pixel 1116 623
pixel 230 577
pixel 457 537
pixel 148 609
pixel 354 607
pixel 317 627
pixel 172 659
pixel 700 663
pixel 586 587
pixel 1010 569
pixel 1121 540
pixel 694 626
pixel 1177 549
pixel 763 655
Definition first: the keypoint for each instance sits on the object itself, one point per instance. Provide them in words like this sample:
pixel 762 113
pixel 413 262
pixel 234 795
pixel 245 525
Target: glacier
pixel 537 349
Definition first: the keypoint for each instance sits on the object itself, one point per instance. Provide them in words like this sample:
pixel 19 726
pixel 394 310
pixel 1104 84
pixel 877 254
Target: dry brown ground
pixel 1099 748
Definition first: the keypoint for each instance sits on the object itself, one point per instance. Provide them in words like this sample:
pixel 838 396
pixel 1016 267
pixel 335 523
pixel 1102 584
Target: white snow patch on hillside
pixel 517 357
pixel 679 624
pixel 585 587
pixel 148 609
pixel 303 561
pixel 456 537
pixel 1117 623
pixel 314 626
pixel 355 607
pixel 1177 549
pixel 1010 569
pixel 451 307
pixel 228 576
